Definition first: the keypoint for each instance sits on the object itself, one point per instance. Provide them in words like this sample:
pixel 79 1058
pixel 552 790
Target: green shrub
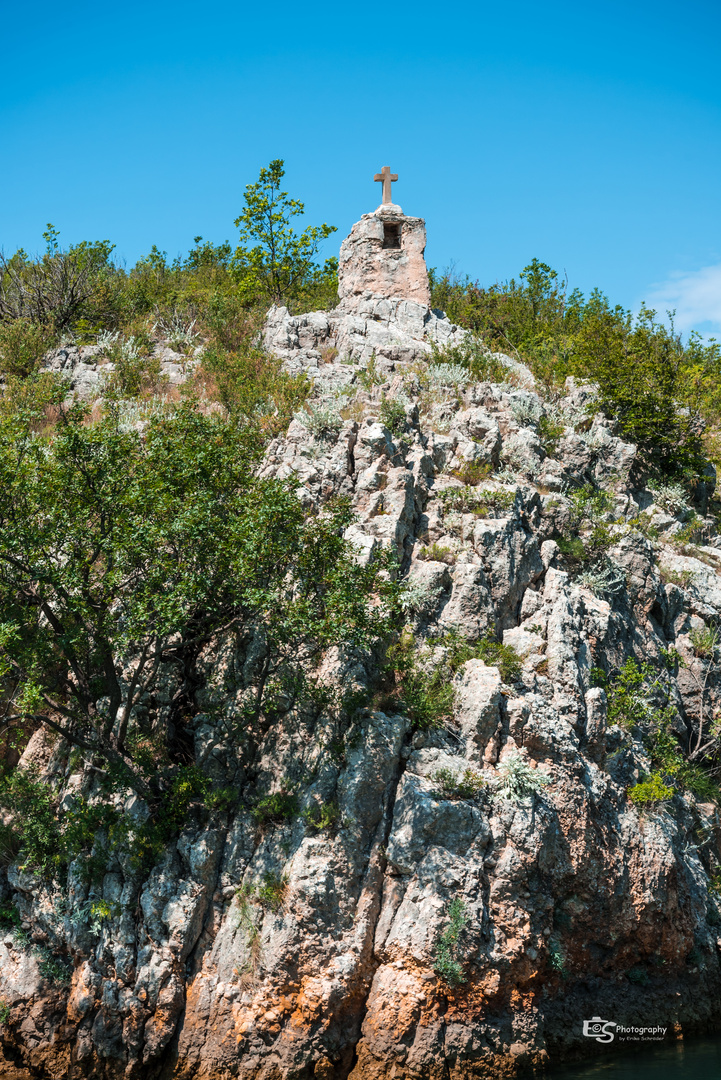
pixel 630 694
pixel 573 550
pixel 4 1013
pixel 22 345
pixel 9 916
pixel 134 372
pixel 253 387
pixel 276 808
pixel 650 792
pixel 448 964
pixel 471 473
pixel 589 504
pixel 455 785
pixel 392 415
pixel 33 808
pixel 518 780
pixel 504 657
pixel 551 432
pixel 53 969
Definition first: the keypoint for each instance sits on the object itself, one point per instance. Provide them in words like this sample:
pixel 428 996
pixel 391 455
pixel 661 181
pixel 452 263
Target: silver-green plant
pixel 419 596
pixel 605 580
pixel 448 375
pixel 517 780
pixel 526 411
pixel 179 334
pixel 322 421
pixel 671 497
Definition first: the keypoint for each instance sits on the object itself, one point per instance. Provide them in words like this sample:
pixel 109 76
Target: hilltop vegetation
pixel 128 546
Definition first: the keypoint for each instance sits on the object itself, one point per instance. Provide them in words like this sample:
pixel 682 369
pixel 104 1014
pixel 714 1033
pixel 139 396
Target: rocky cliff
pixel 438 900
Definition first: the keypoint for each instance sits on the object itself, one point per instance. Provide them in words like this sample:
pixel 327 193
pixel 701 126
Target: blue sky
pixel 585 135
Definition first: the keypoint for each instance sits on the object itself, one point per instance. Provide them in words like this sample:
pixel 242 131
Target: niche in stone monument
pixel 392 234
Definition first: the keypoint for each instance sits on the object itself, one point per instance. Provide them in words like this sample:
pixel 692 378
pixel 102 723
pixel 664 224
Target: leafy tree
pixel 642 374
pixel 121 556
pixel 54 289
pixel 279 260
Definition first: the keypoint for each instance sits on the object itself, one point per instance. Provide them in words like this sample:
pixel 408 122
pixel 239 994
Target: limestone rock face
pixel 382 258
pixel 575 903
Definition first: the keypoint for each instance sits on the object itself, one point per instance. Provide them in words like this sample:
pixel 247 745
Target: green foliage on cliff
pixel 661 390
pixel 448 963
pixel 122 555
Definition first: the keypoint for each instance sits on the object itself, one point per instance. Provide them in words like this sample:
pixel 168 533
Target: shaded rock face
pixel 382 257
pixel 275 950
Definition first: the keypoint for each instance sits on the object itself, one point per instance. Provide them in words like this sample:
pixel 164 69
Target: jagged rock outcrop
pixel 575 903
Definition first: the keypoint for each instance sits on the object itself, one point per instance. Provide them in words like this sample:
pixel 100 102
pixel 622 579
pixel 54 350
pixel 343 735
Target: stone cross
pixel 387 178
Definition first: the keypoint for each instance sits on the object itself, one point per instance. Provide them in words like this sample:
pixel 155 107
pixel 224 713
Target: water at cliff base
pixel 697 1059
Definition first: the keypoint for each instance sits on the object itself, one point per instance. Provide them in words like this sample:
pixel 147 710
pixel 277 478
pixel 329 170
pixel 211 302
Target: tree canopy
pixel 123 553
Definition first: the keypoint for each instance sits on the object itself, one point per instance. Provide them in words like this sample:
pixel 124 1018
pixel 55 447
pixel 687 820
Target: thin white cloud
pixel 695 296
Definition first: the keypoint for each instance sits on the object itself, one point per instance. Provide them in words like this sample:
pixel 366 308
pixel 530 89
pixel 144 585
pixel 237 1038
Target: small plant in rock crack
pixel 93 913
pixel 423 689
pixel 322 816
pixel 483 503
pixel 589 504
pixel 518 780
pixel 448 965
pixel 273 891
pixel 705 643
pixel 371 375
pixel 557 959
pixel 276 808
pixel 419 597
pixel 392 414
pixel 455 785
pixel 438 553
pixel 551 432
pixel 9 916
pixel 504 657
pixel 4 1013
pixel 51 968
pixel 694 532
pixel 246 923
pixel 682 578
pixel 472 473
pixel 606 579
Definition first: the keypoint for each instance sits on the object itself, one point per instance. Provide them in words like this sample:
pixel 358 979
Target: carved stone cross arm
pixel 387 178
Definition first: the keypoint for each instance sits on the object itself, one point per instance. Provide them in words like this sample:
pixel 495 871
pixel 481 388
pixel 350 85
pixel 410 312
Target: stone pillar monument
pixel 382 257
